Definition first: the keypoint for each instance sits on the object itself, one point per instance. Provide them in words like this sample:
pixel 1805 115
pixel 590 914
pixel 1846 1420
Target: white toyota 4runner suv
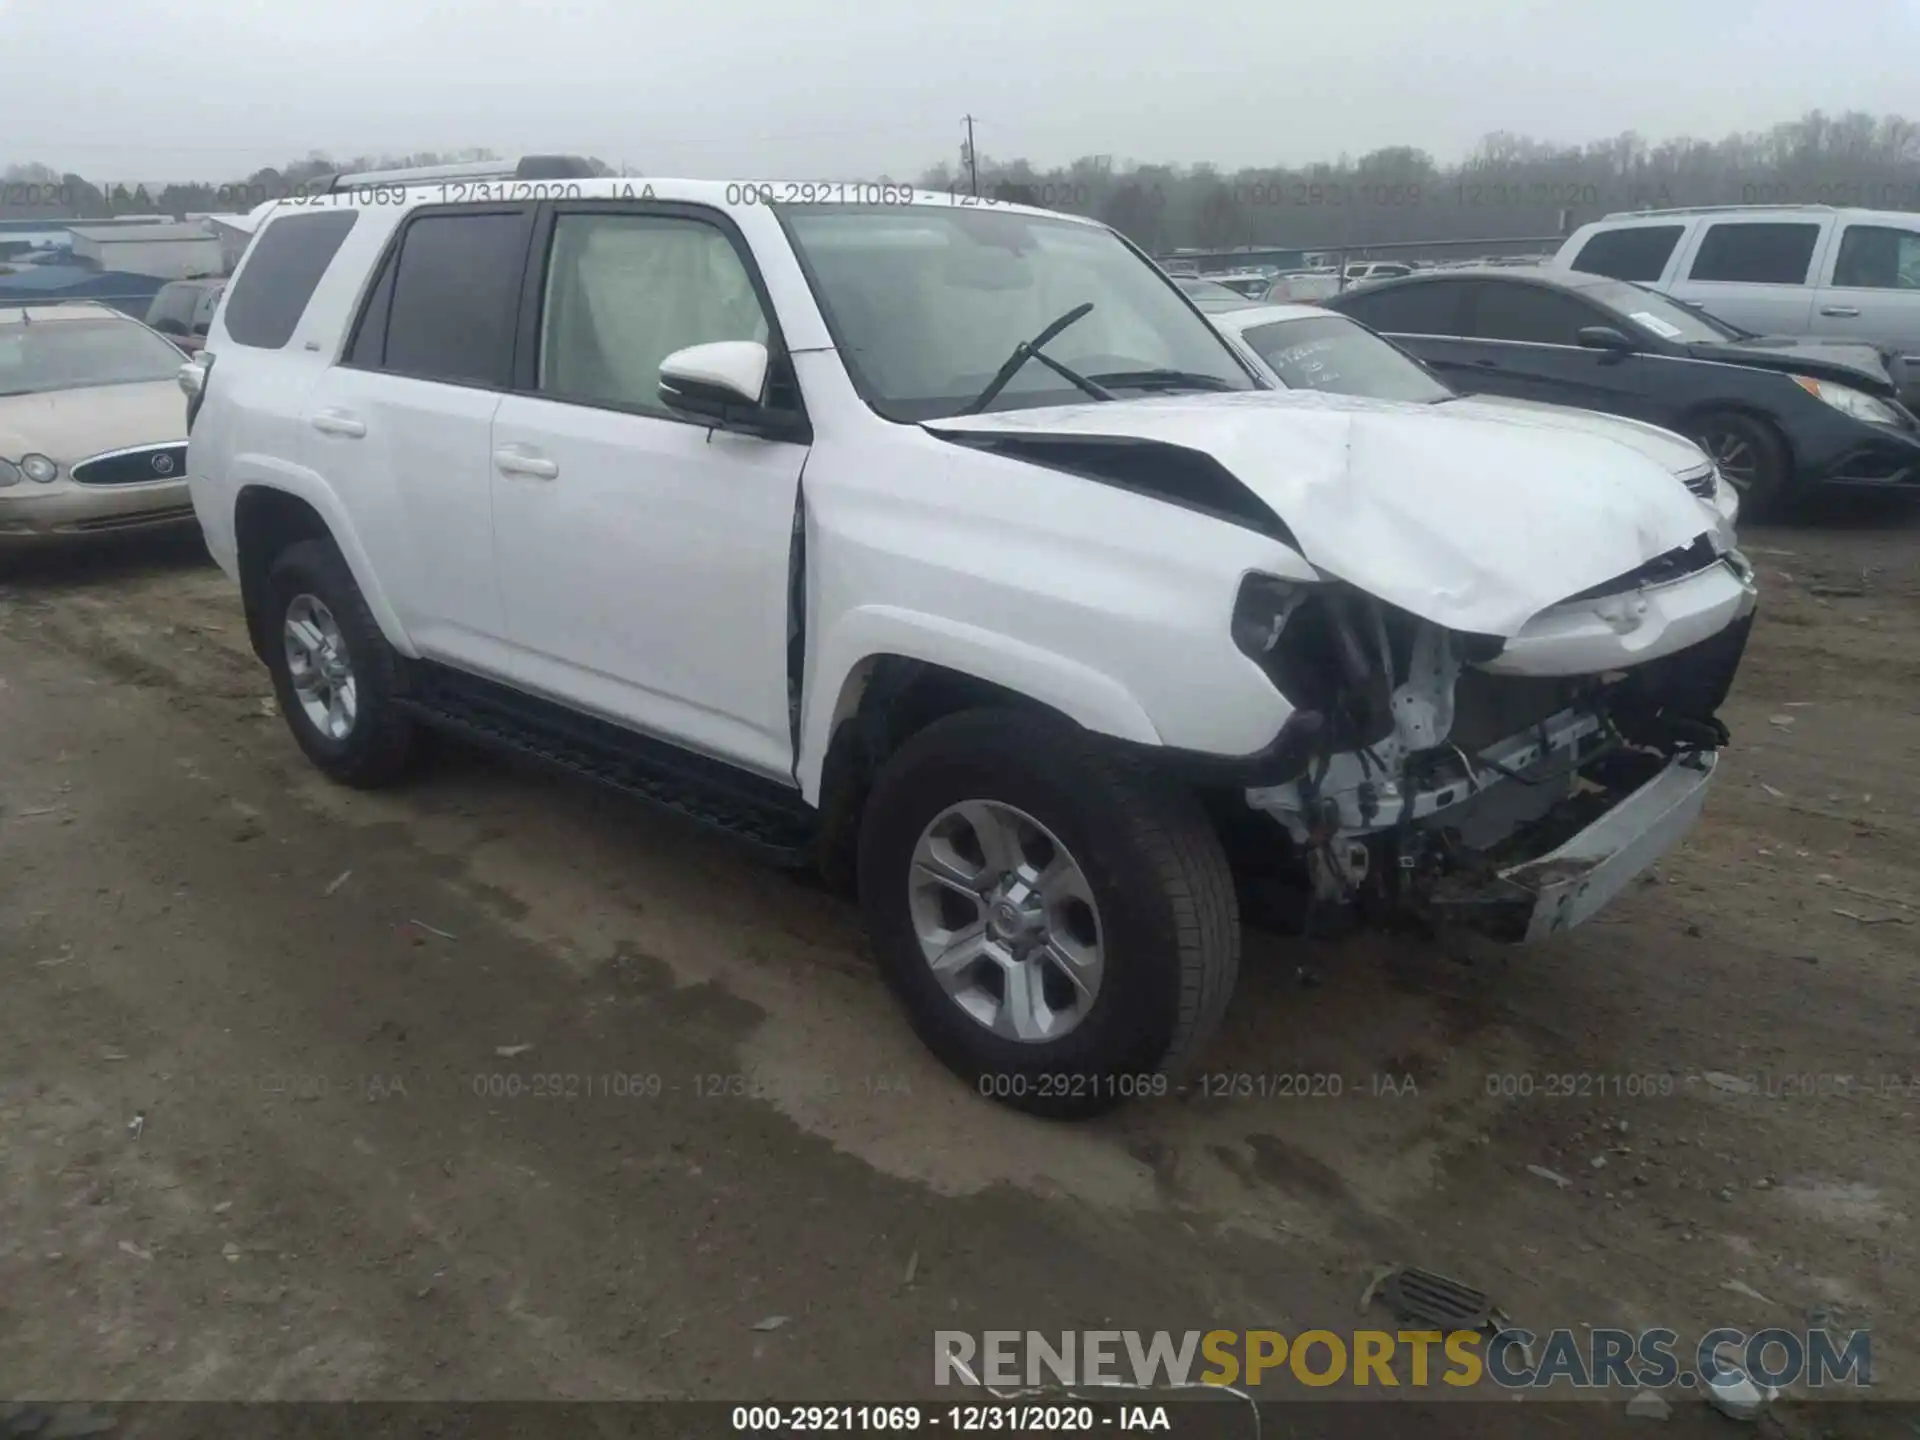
pixel 944 545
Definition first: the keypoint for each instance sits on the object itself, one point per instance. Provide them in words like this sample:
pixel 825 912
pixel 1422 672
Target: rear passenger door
pixel 1755 273
pixel 403 423
pixel 644 556
pixel 1871 288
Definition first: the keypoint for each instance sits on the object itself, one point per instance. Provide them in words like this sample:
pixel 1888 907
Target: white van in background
pixel 1839 274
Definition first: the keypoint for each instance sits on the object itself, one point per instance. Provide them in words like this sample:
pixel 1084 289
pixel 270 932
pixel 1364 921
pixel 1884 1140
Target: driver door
pixel 643 556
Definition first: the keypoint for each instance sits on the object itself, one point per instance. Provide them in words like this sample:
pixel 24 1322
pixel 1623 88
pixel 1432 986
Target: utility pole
pixel 973 166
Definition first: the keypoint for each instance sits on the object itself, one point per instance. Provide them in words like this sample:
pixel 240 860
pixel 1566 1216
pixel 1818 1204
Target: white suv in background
pixel 1836 274
pixel 946 546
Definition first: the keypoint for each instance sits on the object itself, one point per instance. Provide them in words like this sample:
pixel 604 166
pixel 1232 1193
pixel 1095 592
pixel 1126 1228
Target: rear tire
pixel 1753 458
pixel 1129 924
pixel 334 675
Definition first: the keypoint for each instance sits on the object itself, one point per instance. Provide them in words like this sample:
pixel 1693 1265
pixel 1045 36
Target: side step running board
pixel 769 817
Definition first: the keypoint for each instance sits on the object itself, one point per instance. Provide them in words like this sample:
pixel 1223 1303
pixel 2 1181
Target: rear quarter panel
pixel 250 429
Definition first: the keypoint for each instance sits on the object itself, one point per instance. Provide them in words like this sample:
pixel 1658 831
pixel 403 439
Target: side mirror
pixel 720 383
pixel 1605 337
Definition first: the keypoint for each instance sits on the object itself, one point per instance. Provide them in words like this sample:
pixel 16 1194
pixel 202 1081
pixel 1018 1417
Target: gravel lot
pixel 278 1115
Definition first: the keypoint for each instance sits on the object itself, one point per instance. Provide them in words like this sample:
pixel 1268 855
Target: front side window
pixel 625 291
pixel 1878 257
pixel 927 305
pixel 1633 252
pixel 1756 254
pixel 1530 313
pixel 47 355
pixel 1331 352
pixel 1665 317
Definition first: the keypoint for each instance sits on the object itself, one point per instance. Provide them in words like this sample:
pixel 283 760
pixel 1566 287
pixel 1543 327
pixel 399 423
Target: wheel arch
pixel 885 696
pixel 269 516
pixel 879 639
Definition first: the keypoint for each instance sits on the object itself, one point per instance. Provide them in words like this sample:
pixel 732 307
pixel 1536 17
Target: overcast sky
pixel 210 89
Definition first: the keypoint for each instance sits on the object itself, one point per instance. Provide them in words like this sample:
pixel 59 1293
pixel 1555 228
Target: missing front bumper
pixel 1532 899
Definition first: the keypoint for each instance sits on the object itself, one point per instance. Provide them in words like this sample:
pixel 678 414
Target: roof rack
pixel 1713 210
pixel 527 167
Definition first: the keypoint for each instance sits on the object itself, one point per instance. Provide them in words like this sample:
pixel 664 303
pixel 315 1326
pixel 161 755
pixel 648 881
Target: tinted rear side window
pixel 287 260
pixel 455 298
pixel 1425 308
pixel 1756 254
pixel 1638 252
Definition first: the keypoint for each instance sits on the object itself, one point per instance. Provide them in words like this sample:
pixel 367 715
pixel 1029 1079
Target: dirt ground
pixel 269 1055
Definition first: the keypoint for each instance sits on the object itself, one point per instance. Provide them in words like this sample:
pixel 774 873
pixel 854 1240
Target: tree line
pixel 35 191
pixel 1509 186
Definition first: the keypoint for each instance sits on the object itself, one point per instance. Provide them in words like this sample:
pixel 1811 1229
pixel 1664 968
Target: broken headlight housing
pixel 1260 613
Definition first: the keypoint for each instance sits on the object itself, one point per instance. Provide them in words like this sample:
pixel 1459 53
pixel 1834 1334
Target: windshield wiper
pixel 1160 379
pixel 1030 350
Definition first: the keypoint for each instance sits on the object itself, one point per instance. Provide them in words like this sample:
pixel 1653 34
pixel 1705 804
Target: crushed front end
pixel 1513 784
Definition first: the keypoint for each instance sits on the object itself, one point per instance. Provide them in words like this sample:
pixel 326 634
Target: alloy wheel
pixel 1006 919
pixel 1738 461
pixel 320 668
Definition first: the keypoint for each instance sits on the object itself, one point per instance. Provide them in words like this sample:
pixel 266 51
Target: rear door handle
pixel 511 460
pixel 1841 312
pixel 338 422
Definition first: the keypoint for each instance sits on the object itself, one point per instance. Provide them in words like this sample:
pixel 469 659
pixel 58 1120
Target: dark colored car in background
pixel 183 309
pixel 1779 415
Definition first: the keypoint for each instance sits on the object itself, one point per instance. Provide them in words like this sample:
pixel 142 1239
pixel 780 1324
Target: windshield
pixel 1651 310
pixel 1331 352
pixel 928 303
pixel 74 354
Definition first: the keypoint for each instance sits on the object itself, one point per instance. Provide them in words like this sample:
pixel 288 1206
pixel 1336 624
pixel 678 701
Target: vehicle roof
pixel 746 195
pixel 1687 212
pixel 1507 274
pixel 60 312
pixel 1246 319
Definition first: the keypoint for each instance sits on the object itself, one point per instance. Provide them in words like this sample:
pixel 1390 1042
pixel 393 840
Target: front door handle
pixel 511 460
pixel 338 422
pixel 1840 312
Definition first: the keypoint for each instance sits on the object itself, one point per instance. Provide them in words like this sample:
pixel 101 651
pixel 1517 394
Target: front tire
pixel 1059 921
pixel 1753 458
pixel 334 675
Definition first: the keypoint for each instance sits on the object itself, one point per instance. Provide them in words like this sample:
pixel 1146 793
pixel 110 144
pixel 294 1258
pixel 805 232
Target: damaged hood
pixel 1851 362
pixel 1471 522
